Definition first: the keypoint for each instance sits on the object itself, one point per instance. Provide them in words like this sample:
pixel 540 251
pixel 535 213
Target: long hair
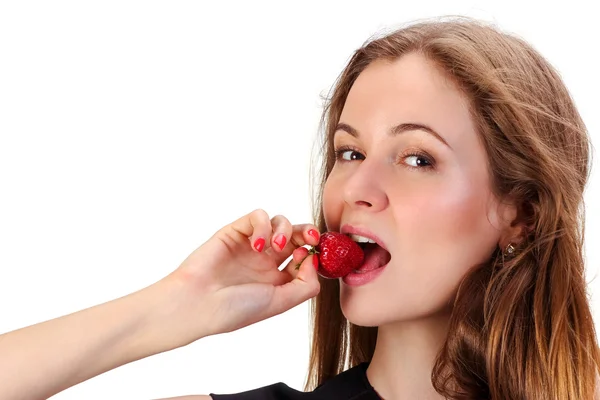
pixel 520 328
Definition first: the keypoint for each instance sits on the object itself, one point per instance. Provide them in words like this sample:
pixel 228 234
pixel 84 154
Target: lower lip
pixel 357 279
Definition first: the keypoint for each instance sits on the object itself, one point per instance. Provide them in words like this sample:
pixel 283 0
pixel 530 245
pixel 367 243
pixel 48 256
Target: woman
pixel 456 149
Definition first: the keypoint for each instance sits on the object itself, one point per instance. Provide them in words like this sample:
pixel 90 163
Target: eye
pixel 348 154
pixel 417 160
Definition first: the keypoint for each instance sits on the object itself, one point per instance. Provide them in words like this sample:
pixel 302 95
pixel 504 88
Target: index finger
pixel 302 234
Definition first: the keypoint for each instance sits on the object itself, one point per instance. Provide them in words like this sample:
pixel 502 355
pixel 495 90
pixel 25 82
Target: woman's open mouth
pixel 375 257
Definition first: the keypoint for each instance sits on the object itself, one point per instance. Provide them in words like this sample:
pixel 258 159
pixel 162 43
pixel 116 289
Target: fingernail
pixel 314 234
pixel 259 244
pixel 315 261
pixel 300 252
pixel 280 240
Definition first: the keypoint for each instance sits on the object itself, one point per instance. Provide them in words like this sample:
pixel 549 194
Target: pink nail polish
pixel 280 240
pixel 259 244
pixel 300 253
pixel 314 234
pixel 315 261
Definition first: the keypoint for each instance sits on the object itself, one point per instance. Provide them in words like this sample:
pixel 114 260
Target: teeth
pixel 361 239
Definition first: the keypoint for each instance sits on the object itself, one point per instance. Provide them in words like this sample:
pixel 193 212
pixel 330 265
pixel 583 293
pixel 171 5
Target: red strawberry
pixel 338 255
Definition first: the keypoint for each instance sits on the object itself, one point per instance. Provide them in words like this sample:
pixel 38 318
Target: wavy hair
pixel 520 328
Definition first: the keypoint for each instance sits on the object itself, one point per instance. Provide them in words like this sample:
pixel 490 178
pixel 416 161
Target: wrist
pixel 172 317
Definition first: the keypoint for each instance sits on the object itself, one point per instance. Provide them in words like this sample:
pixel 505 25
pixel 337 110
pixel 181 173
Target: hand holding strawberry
pixel 338 255
pixel 234 279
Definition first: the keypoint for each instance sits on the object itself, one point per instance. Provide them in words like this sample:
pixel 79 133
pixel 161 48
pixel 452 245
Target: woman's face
pixel 428 202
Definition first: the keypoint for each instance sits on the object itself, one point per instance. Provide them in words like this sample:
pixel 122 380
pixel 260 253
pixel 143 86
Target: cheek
pixel 446 233
pixel 332 202
pixel 450 216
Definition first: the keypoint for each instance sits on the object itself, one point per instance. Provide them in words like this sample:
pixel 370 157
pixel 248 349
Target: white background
pixel 131 131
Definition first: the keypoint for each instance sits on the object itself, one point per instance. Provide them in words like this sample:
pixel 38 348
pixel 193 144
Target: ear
pixel 514 223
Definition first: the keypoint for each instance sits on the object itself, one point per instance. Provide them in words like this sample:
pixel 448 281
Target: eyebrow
pixel 396 130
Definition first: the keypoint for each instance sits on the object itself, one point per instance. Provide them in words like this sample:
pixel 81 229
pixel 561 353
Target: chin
pixel 371 308
pixel 362 313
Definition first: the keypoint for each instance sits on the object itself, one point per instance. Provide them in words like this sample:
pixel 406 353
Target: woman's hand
pixel 235 275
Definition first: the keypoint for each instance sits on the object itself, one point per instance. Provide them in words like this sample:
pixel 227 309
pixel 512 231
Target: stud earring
pixel 510 250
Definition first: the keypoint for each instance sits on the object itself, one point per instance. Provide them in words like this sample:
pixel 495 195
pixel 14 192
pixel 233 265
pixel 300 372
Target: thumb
pixel 304 286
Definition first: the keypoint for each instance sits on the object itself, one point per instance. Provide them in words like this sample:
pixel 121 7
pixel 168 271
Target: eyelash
pixel 411 153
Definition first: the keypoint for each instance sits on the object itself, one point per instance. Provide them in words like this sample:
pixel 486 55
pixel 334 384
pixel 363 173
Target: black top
pixel 351 384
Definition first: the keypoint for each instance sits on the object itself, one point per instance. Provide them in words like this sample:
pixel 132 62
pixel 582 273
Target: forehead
pixel 409 89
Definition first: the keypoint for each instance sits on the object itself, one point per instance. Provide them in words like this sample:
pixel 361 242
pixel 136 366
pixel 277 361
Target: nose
pixel 365 187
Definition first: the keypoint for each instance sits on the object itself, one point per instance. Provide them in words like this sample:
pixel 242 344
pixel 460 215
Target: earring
pixel 510 250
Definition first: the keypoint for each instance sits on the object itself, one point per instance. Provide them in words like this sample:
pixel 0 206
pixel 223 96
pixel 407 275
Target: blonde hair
pixel 520 328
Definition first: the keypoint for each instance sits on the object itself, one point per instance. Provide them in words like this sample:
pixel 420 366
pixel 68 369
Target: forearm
pixel 39 361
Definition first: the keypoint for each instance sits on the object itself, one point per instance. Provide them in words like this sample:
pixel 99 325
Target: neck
pixel 404 356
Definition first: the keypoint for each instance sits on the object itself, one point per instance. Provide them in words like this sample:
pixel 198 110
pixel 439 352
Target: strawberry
pixel 338 255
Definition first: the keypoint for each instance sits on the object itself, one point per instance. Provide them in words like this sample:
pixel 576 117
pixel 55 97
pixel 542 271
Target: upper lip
pixel 355 230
